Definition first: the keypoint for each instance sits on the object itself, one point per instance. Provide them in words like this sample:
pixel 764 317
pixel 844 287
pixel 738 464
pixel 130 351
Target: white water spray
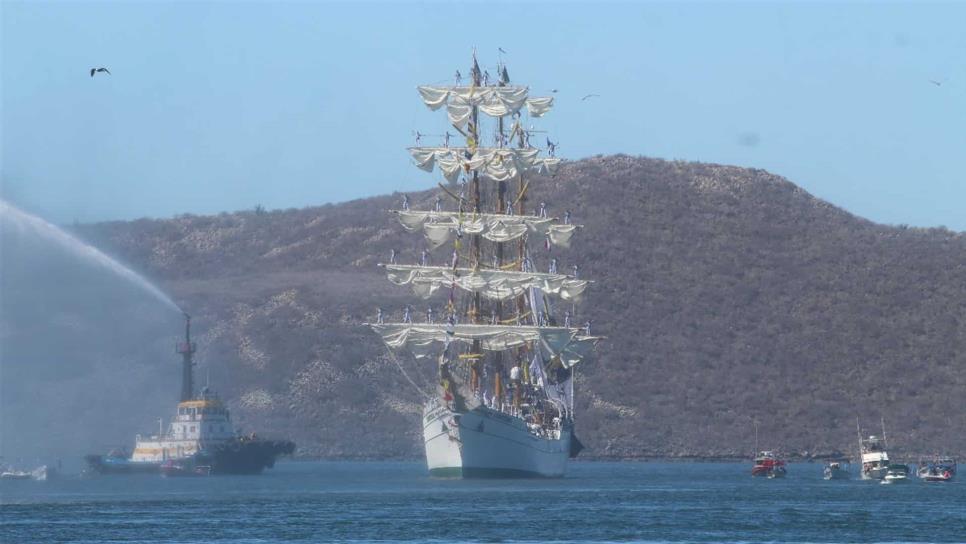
pixel 24 222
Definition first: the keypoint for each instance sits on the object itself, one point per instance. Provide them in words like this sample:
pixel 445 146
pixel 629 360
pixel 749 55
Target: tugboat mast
pixel 187 350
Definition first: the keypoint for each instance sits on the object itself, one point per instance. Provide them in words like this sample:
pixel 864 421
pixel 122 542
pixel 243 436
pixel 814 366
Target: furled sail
pixel 492 284
pixel 499 164
pixel 422 338
pixel 438 227
pixel 493 101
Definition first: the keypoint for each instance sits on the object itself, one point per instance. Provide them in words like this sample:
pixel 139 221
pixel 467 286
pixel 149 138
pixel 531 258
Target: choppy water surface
pixel 340 501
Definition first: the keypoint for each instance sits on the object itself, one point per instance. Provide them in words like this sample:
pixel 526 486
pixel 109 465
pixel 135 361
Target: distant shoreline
pixel 309 458
pixel 635 459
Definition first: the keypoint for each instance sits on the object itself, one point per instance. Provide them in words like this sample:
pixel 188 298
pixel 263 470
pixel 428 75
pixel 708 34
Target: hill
pixel 728 295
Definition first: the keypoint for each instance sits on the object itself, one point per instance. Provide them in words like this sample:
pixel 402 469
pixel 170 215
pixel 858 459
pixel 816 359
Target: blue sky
pixel 222 106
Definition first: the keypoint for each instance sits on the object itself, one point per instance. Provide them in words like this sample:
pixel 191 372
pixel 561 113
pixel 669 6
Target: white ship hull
pixel 484 443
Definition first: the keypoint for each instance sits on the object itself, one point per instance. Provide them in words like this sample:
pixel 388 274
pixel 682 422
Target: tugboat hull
pixel 242 456
pixel 248 456
pixel 106 464
pixel 183 468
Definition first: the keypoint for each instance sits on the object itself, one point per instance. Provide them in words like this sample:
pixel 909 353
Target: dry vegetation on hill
pixel 727 295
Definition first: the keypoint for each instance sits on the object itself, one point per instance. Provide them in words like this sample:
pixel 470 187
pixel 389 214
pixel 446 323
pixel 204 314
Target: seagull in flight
pixel 936 83
pixel 101 69
pixel 588 96
pixel 501 50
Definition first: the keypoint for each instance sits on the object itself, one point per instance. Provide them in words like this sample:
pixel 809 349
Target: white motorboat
pixel 896 474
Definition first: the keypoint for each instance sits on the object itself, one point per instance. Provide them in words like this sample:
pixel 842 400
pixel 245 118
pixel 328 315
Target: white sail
pixel 491 284
pixel 439 227
pixel 422 338
pixel 493 101
pixel 499 164
pixel 560 235
pixel 537 106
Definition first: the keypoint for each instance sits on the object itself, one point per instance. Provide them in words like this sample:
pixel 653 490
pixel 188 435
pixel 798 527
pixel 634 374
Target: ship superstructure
pixel 200 424
pixel 873 455
pixel 503 404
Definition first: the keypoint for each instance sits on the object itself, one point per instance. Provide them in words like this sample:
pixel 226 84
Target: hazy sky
pixel 222 106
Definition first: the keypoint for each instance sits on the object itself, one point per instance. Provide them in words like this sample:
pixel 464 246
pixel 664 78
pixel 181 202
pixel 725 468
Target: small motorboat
pixel 15 475
pixel 896 474
pixel 941 469
pixel 769 464
pixel 837 470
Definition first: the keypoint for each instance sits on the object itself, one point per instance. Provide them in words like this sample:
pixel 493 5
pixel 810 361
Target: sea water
pixel 388 501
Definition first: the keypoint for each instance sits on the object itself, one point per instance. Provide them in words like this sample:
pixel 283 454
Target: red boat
pixel 769 464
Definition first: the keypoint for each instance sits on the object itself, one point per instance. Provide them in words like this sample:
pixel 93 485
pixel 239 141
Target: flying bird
pixel 101 69
pixel 589 96
pixel 501 50
pixel 553 90
pixel 936 83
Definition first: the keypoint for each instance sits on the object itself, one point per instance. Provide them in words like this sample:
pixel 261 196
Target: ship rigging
pixel 504 398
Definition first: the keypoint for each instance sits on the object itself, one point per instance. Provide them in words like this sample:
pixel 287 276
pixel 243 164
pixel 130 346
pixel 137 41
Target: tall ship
pixel 200 439
pixel 873 455
pixel 502 404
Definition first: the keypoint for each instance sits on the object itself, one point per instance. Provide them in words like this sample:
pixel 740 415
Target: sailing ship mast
pixel 498 311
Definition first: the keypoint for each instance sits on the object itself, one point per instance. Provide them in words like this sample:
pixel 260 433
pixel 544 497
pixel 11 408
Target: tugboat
pixel 872 454
pixel 200 435
pixel 940 469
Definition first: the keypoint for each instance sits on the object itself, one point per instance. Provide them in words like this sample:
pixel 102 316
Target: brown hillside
pixel 727 295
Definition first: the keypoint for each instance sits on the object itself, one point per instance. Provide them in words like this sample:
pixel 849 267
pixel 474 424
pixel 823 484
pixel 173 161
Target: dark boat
pixel 200 434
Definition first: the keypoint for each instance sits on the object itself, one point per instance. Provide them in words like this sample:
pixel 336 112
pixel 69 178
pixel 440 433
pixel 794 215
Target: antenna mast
pixel 187 351
pixel 756 437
